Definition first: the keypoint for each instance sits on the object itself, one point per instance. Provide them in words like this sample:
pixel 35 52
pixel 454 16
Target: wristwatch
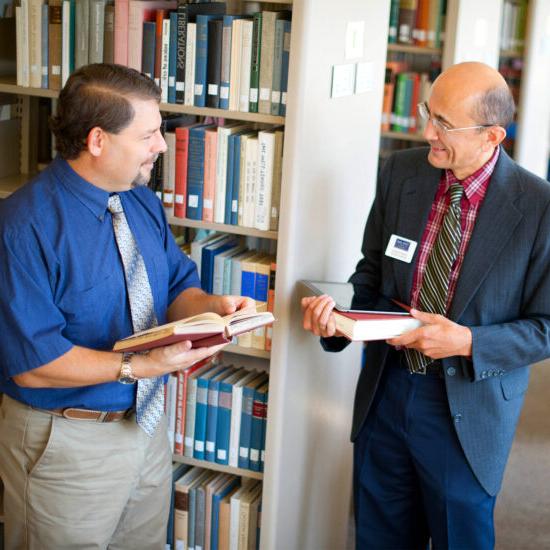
pixel 126 376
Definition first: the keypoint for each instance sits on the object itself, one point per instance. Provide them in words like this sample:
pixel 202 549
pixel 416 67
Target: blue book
pixel 284 68
pixel 259 412
pixel 172 55
pixel 236 181
pixel 212 413
pixel 227 35
pixel 264 431
pixel 148 49
pixel 44 45
pixel 207 261
pixel 200 411
pixel 246 420
pixel 195 172
pixel 72 37
pixel 223 428
pixel 248 283
pixel 193 508
pixel 201 59
pixel 231 484
pixel 230 174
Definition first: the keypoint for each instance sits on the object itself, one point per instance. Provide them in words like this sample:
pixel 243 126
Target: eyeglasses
pixel 426 116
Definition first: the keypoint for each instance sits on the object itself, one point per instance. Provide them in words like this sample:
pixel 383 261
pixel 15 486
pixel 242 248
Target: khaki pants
pixel 73 484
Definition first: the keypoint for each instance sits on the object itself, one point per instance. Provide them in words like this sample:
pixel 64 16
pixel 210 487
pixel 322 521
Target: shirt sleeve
pixel 32 327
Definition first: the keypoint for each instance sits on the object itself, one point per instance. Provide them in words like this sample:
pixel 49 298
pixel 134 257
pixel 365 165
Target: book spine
pixel 189 88
pixel 201 61
pixel 266 68
pixel 246 58
pixel 190 417
pixel 180 187
pixel 211 146
pixel 224 423
pixel 229 179
pixel 97 30
pixel 255 62
pixel 277 67
pixel 226 61
pixel 394 21
pixel 214 63
pixel 264 187
pixel 236 186
pixel 284 68
pixel 148 49
pixel 200 419
pixel 246 422
pixel 172 54
pixel 259 410
pixel 109 34
pixel 55 44
pixel 270 304
pixel 211 421
pixel 121 31
pixel 44 72
pixel 82 32
pixel 178 432
pixel 195 174
pixel 181 50
pixel 35 43
pixel 165 52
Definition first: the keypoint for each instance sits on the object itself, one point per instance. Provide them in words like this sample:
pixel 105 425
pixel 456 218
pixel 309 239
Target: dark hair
pixel 97 95
pixel 496 106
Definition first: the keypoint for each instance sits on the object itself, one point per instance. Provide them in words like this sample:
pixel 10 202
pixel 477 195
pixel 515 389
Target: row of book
pixel 224 174
pixel 417 22
pixel 214 511
pixel 218 413
pixel 403 90
pixel 513 25
pixel 197 54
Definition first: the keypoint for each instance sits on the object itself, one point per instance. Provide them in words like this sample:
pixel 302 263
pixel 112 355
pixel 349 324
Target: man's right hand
pixel 176 357
pixel 318 316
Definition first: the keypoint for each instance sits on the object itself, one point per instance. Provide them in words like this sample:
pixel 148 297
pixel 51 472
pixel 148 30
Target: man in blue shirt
pixel 78 470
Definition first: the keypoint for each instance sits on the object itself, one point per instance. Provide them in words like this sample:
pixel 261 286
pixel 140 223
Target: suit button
pixel 451 371
pixel 484 374
pixel 457 418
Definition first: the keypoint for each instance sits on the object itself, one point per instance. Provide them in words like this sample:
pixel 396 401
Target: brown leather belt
pixel 85 414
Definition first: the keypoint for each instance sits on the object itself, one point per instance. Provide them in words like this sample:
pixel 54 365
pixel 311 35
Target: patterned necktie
pixel 150 391
pixel 435 283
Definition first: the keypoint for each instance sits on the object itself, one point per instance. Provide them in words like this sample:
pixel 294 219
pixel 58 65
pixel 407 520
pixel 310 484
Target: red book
pixel 210 164
pixel 203 330
pixel 161 15
pixel 180 187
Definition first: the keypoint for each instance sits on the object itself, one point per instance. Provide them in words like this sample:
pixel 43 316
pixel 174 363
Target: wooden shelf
pixel 421 50
pixel 271 1
pixel 217 467
pixel 403 136
pixel 8 85
pixel 250 352
pixel 224 228
pixel 11 183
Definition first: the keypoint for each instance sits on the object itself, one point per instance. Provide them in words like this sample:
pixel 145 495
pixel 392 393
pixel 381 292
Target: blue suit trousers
pixel 412 482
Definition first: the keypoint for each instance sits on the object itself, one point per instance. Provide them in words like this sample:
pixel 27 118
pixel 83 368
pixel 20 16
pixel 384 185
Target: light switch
pixel 343 80
pixel 355 39
pixel 364 77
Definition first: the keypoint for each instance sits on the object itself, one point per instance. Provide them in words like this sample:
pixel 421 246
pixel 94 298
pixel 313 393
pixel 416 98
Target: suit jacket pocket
pixel 514 384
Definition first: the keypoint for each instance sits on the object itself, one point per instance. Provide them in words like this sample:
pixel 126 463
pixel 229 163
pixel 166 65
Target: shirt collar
pixel 475 185
pixel 94 198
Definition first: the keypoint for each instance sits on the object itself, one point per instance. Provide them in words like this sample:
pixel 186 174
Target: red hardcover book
pixel 203 330
pixel 180 187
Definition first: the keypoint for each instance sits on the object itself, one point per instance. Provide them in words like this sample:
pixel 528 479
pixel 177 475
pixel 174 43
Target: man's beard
pixel 143 179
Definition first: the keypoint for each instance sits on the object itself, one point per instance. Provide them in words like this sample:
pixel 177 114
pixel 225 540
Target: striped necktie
pixel 150 391
pixel 435 283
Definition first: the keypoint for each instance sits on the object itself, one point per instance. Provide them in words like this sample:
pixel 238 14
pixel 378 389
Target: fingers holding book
pixel 317 315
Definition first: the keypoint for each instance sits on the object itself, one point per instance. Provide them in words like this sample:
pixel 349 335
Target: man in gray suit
pixel 462 233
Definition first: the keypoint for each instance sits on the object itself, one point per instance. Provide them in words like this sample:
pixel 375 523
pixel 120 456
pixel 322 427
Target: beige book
pixel 250 180
pixel 211 487
pixel 264 183
pixel 235 64
pixel 262 268
pixel 245 516
pixel 35 43
pixel 254 521
pixel 22 43
pixel 242 178
pixel 224 521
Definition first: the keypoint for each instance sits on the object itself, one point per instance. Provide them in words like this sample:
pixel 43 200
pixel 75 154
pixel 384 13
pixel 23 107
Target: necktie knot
pixel 456 191
pixel 114 205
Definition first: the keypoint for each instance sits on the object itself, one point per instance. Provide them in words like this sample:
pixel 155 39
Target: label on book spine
pixel 212 89
pixel 193 201
pixel 264 94
pixel 224 92
pixel 254 95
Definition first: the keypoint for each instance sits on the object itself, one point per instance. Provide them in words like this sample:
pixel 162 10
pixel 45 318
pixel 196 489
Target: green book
pixel 255 64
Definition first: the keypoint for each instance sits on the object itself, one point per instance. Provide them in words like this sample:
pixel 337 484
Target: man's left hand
pixel 438 338
pixel 225 305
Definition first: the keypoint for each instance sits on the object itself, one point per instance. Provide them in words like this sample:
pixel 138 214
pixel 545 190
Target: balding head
pixel 480 90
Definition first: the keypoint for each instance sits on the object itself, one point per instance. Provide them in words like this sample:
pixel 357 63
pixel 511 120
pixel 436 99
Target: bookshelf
pixel 218 467
pixel 329 172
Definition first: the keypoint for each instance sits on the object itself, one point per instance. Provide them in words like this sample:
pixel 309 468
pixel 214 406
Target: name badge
pixel 401 248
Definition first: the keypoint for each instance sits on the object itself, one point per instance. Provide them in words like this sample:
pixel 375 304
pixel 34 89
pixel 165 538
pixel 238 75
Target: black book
pixel 214 63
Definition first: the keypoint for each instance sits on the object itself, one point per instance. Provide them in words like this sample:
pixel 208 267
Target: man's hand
pixel 225 305
pixel 164 360
pixel 438 338
pixel 318 316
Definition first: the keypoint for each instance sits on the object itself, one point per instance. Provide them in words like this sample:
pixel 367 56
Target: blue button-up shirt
pixel 62 280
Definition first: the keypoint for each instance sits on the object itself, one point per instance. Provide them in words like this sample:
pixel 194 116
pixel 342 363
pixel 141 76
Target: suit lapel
pixel 414 208
pixel 495 225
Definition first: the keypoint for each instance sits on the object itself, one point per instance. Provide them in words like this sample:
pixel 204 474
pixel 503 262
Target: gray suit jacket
pixel 503 295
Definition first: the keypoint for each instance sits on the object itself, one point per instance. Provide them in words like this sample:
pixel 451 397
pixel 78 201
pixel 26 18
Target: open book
pixel 363 314
pixel 203 330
